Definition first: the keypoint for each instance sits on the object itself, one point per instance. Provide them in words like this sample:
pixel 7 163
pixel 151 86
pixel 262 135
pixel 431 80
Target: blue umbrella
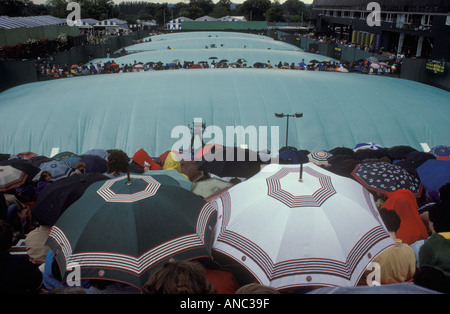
pixel 433 174
pixel 72 161
pixel 440 151
pixel 94 163
pixel 98 152
pixel 57 168
pixel 292 156
pixel 368 145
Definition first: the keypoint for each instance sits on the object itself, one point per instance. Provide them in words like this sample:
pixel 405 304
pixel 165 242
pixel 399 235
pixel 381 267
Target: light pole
pixel 282 115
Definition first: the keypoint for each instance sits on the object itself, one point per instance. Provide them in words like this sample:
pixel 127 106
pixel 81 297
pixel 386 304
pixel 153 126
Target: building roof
pixel 206 18
pixel 7 22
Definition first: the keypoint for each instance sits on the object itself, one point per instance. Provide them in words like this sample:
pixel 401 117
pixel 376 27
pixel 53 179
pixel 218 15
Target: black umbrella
pixel 58 196
pixel 28 167
pixel 314 61
pixel 231 162
pixel 337 151
pixel 415 159
pixel 399 152
pixel 223 61
pixel 94 163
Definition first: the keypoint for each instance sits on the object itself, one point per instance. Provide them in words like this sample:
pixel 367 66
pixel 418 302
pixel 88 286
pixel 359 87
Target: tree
pixel 275 13
pixel 222 8
pixel 254 9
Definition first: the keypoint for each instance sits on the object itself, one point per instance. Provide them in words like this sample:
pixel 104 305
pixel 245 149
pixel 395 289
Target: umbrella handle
pixel 128 176
pixel 301 173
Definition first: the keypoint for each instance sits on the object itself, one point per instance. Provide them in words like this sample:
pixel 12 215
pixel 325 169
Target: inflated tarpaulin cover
pixel 130 111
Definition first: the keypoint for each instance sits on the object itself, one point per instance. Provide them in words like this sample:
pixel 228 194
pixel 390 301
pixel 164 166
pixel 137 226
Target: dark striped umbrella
pixel 124 229
pixel 11 177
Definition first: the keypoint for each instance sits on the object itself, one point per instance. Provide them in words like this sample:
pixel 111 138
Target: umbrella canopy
pixel 319 157
pixel 58 196
pixel 28 167
pixel 102 153
pixel 72 161
pixel 384 177
pixel 433 174
pixel 94 163
pixel 57 168
pixel 414 160
pixel 368 145
pixel 292 156
pixel 11 177
pixel 124 232
pixel 440 151
pixel 231 162
pixel 399 152
pixel 323 231
pixel 182 181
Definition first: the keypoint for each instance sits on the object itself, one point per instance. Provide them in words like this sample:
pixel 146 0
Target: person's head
pixel 439 219
pixel 46 176
pixel 391 219
pixel 256 288
pixel 6 236
pixel 81 166
pixel 444 193
pixel 180 277
pixel 118 161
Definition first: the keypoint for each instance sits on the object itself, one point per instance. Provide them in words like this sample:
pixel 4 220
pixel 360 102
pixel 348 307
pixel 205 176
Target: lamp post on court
pixel 282 115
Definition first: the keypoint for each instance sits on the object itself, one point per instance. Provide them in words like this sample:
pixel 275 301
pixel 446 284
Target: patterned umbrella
pixel 319 157
pixel 322 231
pixel 368 145
pixel 11 177
pixel 57 168
pixel 384 177
pixel 440 151
pixel 124 232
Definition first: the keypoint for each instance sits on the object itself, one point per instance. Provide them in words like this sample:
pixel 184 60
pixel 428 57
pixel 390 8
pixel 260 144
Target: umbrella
pixel 319 157
pixel 26 155
pixel 72 161
pixel 314 61
pixel 38 160
pixel 323 231
pixel 74 66
pixel 433 174
pixel 258 65
pixel 372 59
pixel 384 177
pixel 26 166
pixel 124 232
pixel 58 196
pixel 94 163
pixel 62 155
pixel 231 162
pixel 102 153
pixel 209 186
pixel 175 174
pixel 57 168
pixel 292 156
pixel 375 65
pixel 440 151
pixel 399 152
pixel 213 58
pixel 11 177
pixel 414 160
pixel 223 61
pixel 368 145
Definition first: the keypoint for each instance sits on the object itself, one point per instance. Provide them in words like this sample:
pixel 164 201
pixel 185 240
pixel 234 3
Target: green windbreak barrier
pixel 222 25
pixel 22 34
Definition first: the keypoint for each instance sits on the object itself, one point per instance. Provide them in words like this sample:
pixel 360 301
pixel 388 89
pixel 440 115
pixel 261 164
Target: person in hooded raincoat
pixel 412 227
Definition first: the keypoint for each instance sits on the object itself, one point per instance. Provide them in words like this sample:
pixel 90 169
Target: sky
pixel 168 1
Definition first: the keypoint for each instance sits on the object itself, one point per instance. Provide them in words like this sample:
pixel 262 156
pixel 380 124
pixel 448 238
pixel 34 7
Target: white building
pixel 176 23
pixel 229 18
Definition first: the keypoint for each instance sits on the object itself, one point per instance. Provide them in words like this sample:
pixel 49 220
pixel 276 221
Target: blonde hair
pixel 180 277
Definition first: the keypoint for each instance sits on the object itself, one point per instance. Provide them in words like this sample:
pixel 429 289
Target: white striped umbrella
pixel 321 231
pixel 124 232
pixel 11 177
pixel 319 157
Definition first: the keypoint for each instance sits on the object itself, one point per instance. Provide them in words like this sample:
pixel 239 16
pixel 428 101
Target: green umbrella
pixel 124 229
